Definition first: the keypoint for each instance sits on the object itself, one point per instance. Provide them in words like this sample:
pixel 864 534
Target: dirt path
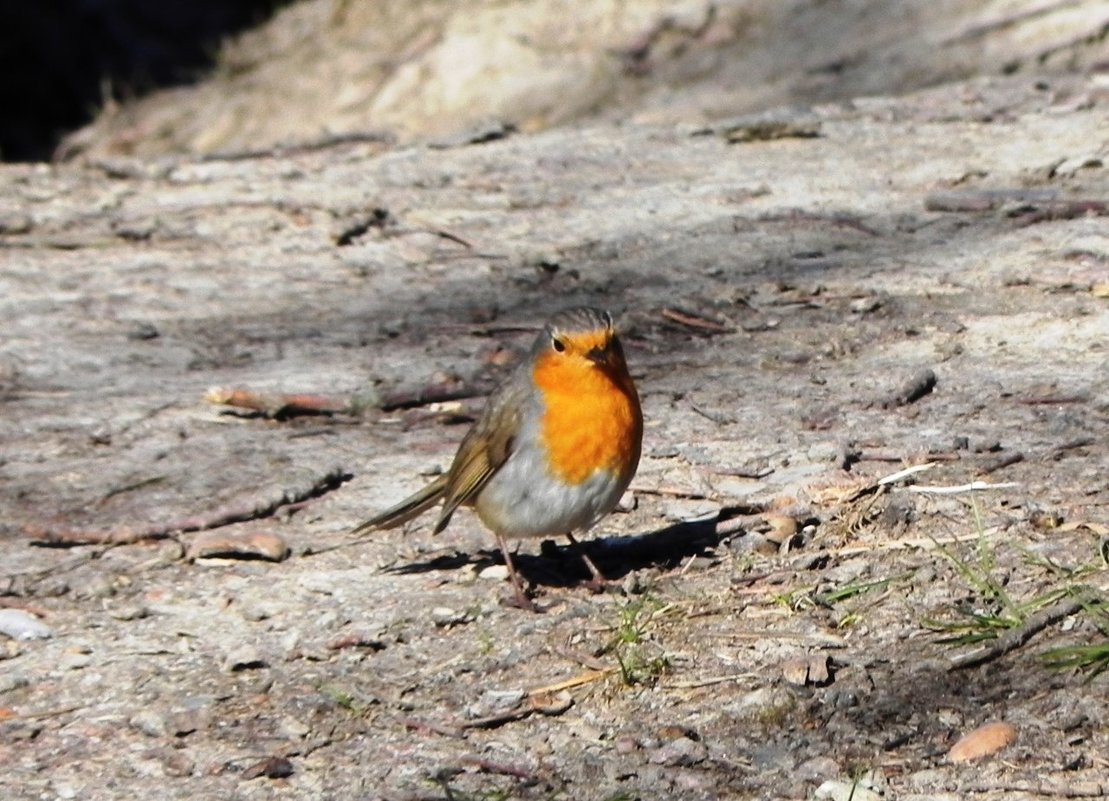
pixel 777 298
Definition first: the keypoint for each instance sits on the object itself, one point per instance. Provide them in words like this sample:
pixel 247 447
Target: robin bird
pixel 554 448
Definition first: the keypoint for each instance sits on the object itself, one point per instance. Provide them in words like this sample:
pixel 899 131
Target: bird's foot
pixel 519 599
pixel 598 582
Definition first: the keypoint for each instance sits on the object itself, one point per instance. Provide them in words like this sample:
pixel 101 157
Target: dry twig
pixel 913 390
pixel 488 766
pixel 1005 461
pixel 1057 452
pixel 499 719
pixel 576 681
pixel 1060 210
pixel 1014 638
pixel 694 321
pixel 675 492
pixel 279 405
pixel 432 393
pixel 708 682
pixel 974 486
pixel 1045 787
pixel 431 727
pixel 237 512
pixel 893 478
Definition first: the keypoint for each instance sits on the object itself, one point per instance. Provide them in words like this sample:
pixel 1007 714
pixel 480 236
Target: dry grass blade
pixel 577 681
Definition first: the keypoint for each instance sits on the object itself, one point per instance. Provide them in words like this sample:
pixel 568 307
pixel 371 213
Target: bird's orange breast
pixel 591 421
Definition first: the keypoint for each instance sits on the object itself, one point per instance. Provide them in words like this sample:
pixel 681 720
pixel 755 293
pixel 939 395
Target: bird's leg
pixel 521 598
pixel 598 582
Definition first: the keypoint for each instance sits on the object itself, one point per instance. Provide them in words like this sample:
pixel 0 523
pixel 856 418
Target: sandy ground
pixel 777 621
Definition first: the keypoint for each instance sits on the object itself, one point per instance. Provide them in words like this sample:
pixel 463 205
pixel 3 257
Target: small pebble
pixel 293 729
pixel 833 790
pixel 865 305
pixel 187 721
pixel 245 657
pixel 255 612
pixel 271 768
pixel 845 698
pixel 15 222
pixel 177 764
pixel 823 452
pixel 1075 163
pixel 625 745
pixel 680 511
pixel 141 331
pixel 494 573
pixel 290 646
pixel 694 780
pixel 12 681
pixel 926 779
pixel 96 586
pixel 751 542
pixel 780 527
pixel 761 702
pixel 238 545
pixel 52 587
pixel 494 702
pixel 64 790
pixel 627 502
pixel 129 612
pixel 27 730
pixel 75 660
pixel 556 704
pixel 150 723
pixel 680 752
pixel 673 732
pixel 9 649
pixel 987 739
pixel 20 625
pixel 445 616
pixel 354 638
pixel 101 435
pixel 817 768
pixel 499 700
pixel 632 584
pixel 168 552
pixel 796 671
pixel 811 669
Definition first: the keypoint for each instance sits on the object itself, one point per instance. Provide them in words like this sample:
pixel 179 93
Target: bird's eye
pixel 558 344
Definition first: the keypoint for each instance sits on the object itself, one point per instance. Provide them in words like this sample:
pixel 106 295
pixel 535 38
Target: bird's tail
pixel 411 507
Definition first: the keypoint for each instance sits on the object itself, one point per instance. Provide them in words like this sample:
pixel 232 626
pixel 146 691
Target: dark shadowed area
pixel 61 61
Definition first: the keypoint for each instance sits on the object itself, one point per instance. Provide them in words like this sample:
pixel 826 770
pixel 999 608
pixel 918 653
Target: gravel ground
pixel 863 287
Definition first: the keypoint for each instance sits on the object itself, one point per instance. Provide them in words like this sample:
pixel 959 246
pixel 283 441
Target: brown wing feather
pixel 483 451
pixel 411 507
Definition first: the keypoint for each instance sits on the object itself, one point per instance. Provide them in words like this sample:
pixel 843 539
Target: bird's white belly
pixel 524 500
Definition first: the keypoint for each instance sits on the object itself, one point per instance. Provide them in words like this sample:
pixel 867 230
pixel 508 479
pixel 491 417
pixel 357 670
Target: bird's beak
pixel 599 356
pixel 602 356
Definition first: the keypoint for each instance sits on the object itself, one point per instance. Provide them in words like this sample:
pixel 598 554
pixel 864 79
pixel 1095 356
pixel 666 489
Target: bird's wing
pixel 486 447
